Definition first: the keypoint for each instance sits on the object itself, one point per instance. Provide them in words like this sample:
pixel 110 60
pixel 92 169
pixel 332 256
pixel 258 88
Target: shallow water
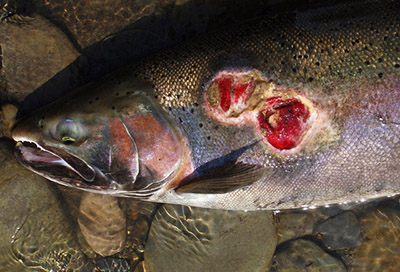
pixel 49 228
pixel 41 230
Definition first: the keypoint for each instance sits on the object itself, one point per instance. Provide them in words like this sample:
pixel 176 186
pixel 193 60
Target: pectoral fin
pixel 237 176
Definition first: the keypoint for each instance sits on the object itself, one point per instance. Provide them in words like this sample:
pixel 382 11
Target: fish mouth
pixel 61 167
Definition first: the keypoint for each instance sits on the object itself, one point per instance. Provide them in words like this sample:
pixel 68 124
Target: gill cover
pixel 131 146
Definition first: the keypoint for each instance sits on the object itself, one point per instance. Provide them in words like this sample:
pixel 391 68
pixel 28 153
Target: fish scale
pixel 308 38
pixel 342 59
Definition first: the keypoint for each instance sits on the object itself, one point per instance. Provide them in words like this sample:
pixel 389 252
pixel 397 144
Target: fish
pixel 285 111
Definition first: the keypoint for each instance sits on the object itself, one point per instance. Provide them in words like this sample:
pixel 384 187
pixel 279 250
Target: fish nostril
pixel 28 144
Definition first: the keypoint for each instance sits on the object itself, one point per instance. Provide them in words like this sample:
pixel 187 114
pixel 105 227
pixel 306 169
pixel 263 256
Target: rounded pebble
pixel 340 232
pixel 32 53
pixel 185 238
pixel 303 255
pixel 103 223
pixel 36 234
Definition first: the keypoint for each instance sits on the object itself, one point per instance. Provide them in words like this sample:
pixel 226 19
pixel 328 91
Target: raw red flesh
pixel 225 85
pixel 228 88
pixel 239 90
pixel 290 116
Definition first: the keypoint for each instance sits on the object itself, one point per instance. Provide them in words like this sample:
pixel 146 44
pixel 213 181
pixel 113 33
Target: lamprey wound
pixel 282 116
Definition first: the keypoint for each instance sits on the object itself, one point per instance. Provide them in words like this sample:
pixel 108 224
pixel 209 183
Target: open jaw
pixel 281 116
pixel 66 169
pixel 69 171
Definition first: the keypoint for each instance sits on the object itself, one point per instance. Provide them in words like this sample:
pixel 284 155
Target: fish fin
pixel 237 176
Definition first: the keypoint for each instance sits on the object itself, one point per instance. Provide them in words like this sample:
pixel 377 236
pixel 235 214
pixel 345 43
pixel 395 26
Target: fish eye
pixel 67 131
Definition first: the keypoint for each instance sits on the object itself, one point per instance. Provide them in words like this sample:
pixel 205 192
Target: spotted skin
pixel 344 59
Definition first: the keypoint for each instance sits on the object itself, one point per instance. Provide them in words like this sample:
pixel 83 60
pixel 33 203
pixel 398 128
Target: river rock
pixel 303 255
pixel 185 238
pixel 33 51
pixel 36 235
pixel 380 237
pixel 340 232
pixel 295 224
pixel 90 21
pixel 140 268
pixel 298 223
pixel 108 264
pixel 102 222
pixel 139 217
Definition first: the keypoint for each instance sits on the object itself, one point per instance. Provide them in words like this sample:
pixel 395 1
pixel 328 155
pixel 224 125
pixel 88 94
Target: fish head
pixel 109 142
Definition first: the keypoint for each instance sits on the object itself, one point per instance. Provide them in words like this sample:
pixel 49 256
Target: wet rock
pixel 140 267
pixel 35 233
pixel 7 119
pixel 33 51
pixel 87 22
pixel 340 232
pixel 116 33
pixel 90 21
pixel 295 224
pixel 139 217
pixel 185 238
pixel 103 223
pixel 72 199
pixel 101 56
pixel 380 234
pixel 303 255
pixel 109 265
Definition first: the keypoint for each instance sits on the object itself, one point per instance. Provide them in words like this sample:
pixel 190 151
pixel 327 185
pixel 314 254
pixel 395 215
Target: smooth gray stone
pixel 32 52
pixel 298 223
pixel 340 232
pixel 103 223
pixel 303 255
pixel 36 234
pixel 182 238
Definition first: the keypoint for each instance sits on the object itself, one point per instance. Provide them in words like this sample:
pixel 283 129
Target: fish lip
pixel 38 156
pixel 63 173
pixel 45 161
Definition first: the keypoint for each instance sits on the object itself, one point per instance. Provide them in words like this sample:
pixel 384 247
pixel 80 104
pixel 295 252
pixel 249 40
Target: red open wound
pixel 280 114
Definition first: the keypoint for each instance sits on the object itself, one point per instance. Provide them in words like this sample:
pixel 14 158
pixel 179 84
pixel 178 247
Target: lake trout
pixel 295 110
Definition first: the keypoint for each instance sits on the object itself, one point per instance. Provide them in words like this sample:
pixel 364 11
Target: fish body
pixel 290 111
